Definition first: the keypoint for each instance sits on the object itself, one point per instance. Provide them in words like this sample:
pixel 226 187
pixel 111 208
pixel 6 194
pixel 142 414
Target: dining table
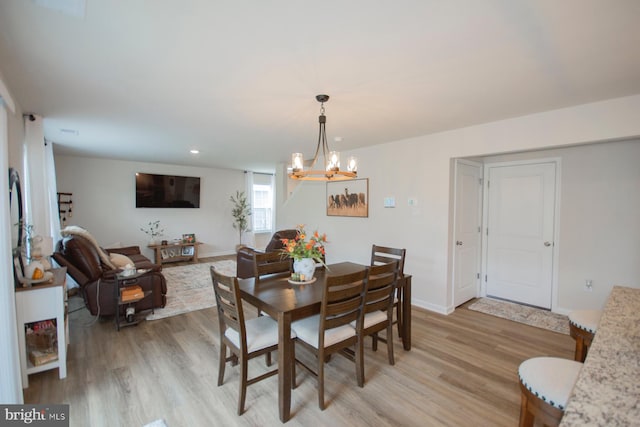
pixel 286 302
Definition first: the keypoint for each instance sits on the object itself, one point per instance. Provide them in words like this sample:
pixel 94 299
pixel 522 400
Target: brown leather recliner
pixel 244 257
pixel 97 280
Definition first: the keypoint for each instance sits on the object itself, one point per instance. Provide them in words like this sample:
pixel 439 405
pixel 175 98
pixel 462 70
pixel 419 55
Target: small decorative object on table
pixel 153 230
pixel 188 238
pixel 305 251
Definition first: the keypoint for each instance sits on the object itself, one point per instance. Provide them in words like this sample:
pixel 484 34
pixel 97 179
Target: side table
pixel 38 303
pixel 124 280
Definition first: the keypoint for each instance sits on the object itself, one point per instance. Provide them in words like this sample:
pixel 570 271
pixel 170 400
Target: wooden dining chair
pixel 244 339
pixel 377 313
pixel 384 255
pixel 265 263
pixel 330 331
pixel 270 263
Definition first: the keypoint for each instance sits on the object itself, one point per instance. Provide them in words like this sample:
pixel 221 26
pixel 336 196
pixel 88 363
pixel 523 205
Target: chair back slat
pixel 381 282
pixel 384 255
pixel 229 304
pixel 270 263
pixel 342 300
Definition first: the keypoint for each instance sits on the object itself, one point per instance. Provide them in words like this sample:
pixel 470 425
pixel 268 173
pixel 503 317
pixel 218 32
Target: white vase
pixel 306 267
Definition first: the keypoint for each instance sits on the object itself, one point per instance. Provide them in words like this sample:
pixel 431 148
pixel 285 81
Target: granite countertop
pixel 607 392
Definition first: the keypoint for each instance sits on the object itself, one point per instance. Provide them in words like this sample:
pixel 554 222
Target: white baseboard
pixel 432 307
pixel 220 253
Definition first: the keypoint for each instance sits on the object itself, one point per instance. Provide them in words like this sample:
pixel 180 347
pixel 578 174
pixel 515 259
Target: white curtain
pixel 51 195
pixel 11 382
pixel 249 236
pixel 248 191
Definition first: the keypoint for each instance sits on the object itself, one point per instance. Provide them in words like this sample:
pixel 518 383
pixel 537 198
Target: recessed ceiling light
pixel 194 151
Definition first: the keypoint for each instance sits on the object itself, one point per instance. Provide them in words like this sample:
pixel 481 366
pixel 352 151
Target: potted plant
pixel 153 230
pixel 240 212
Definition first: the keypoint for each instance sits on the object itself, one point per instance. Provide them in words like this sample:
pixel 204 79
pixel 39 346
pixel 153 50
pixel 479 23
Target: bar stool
pixel 582 327
pixel 546 384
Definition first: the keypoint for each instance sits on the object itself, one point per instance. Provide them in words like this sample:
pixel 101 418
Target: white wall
pixel 10 143
pixel 420 168
pixel 599 222
pixel 104 203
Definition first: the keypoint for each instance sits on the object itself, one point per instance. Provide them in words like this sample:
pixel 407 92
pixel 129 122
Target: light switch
pixel 412 201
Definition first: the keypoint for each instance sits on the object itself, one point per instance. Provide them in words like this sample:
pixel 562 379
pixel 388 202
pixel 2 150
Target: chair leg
pixel 399 316
pixel 374 342
pixel 526 417
pixel 222 363
pixel 321 381
pixel 243 384
pixel 390 344
pixel 293 365
pixel 267 359
pixel 359 363
pixel 580 353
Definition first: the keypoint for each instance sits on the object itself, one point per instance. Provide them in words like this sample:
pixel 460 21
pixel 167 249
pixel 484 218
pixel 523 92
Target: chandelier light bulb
pixel 334 161
pixel 297 161
pixel 352 164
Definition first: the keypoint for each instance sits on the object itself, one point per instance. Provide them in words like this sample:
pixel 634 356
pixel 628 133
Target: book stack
pixel 42 341
pixel 131 293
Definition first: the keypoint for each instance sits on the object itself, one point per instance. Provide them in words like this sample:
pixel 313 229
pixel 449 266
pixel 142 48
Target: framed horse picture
pixel 348 198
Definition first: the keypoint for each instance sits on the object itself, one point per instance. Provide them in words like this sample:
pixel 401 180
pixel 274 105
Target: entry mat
pixel 523 314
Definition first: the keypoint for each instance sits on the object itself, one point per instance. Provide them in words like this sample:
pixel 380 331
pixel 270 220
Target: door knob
pixel 458 243
pixel 547 243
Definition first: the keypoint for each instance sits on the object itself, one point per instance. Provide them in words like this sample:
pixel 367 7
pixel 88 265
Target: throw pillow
pixel 120 260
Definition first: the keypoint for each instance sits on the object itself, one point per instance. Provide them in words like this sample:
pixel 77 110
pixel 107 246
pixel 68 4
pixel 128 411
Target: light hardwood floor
pixel 462 370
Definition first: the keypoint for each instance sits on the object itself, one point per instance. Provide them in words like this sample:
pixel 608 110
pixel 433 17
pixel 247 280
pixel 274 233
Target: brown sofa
pixel 96 279
pixel 244 257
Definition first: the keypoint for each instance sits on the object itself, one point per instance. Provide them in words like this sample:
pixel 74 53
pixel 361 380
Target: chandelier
pixel 331 171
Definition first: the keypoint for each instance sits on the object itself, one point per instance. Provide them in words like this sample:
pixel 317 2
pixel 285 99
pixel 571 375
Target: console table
pixel 43 302
pixel 174 252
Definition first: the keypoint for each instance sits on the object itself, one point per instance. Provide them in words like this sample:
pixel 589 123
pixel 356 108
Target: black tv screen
pixel 167 191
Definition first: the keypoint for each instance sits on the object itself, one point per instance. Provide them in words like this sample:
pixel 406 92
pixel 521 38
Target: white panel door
pixel 520 232
pixel 467 232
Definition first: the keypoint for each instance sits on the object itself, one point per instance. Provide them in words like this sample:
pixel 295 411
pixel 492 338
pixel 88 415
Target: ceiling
pixel 148 80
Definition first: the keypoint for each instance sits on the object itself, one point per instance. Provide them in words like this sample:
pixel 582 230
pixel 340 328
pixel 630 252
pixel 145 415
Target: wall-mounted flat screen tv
pixel 167 191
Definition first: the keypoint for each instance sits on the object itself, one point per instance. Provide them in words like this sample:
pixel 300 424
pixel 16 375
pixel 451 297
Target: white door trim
pixel 556 221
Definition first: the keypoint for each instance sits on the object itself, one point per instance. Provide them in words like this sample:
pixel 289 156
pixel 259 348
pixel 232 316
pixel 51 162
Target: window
pixel 262 203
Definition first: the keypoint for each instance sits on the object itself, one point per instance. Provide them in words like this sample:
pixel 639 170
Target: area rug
pixel 523 314
pixel 189 287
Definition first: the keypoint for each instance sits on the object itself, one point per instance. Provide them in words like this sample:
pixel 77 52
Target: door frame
pixel 556 221
pixel 455 220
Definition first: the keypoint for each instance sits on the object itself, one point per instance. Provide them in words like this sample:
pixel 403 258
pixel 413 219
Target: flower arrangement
pixel 300 247
pixel 153 229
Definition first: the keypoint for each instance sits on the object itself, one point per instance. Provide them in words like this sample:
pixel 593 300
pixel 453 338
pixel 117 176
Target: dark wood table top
pixel 274 294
